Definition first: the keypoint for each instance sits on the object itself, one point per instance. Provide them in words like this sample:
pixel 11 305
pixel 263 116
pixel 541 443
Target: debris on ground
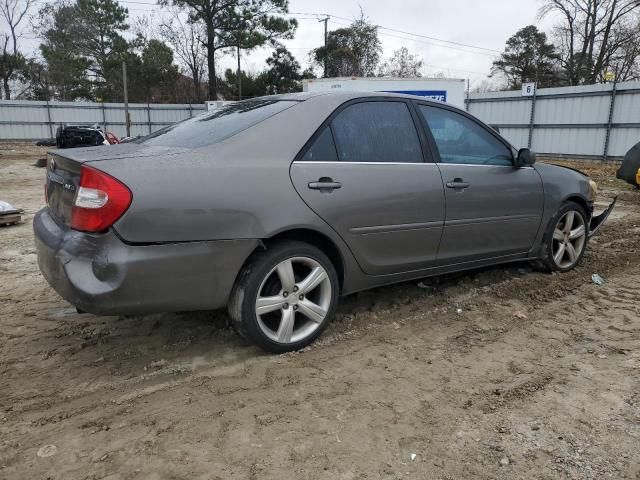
pixel 47 451
pixel 40 163
pixel 9 215
pixel 597 279
pixel 159 364
pixel 520 315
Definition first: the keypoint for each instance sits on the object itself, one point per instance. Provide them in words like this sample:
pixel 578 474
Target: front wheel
pixel 284 297
pixel 566 239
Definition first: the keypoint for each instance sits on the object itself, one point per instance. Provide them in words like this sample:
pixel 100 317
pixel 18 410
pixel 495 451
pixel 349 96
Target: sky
pixel 486 24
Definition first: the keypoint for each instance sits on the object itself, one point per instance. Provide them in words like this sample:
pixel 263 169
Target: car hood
pixel 570 168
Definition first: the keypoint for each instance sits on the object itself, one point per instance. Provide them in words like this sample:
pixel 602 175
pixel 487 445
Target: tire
pixel 290 320
pixel 555 258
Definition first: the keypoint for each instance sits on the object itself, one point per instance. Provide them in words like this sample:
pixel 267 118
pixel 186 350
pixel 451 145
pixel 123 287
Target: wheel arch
pixel 306 235
pixel 580 201
pixel 315 238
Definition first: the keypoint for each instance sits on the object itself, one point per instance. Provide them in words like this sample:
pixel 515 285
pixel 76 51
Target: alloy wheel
pixel 293 300
pixel 569 238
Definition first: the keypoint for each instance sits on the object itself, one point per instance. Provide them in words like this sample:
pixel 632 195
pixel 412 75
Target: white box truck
pixel 449 90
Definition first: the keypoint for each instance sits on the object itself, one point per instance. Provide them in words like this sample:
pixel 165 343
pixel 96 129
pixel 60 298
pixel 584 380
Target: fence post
pixel 149 117
pixel 533 115
pixel 466 102
pixel 190 111
pixel 49 119
pixel 104 117
pixel 612 104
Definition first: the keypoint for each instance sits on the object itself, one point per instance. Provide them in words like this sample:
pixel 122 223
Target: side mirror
pixel 525 158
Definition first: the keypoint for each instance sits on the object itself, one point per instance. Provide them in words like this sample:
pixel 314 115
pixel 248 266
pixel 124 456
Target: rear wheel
pixel 565 239
pixel 284 297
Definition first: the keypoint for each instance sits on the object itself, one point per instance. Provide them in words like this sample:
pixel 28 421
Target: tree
pixel 187 39
pixel 528 57
pixel 157 74
pixel 402 64
pixel 34 80
pixel 12 14
pixel 100 24
pixel 350 51
pixel 233 23
pixel 591 35
pixel 84 48
pixel 283 74
pixel 485 86
pixel 253 85
pixel 66 68
pixel 626 59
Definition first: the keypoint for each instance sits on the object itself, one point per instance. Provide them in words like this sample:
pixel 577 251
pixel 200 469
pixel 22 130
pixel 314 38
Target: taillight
pixel 100 201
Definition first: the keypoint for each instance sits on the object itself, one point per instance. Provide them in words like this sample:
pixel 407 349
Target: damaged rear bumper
pixel 101 274
pixel 598 220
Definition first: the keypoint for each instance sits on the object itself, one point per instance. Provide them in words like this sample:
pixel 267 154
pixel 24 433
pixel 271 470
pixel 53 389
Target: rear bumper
pixel 101 274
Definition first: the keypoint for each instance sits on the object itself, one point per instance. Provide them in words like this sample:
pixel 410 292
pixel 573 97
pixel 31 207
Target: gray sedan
pixel 277 206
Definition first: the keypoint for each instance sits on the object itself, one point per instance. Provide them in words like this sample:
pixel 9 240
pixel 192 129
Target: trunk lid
pixel 63 171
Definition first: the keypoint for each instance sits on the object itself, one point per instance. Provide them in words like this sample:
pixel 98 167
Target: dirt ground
pixel 500 373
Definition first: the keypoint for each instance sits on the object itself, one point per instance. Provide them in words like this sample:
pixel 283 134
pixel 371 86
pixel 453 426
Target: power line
pixel 426 42
pixel 315 16
pixel 382 27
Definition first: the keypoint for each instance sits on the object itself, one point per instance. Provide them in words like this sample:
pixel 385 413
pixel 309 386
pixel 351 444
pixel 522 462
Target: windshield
pixel 217 125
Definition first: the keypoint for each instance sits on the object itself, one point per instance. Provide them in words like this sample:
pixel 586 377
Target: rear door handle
pixel 458 184
pixel 325 184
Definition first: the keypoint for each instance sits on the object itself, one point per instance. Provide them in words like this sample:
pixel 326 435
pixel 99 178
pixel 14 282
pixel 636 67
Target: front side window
pixel 463 141
pixel 376 132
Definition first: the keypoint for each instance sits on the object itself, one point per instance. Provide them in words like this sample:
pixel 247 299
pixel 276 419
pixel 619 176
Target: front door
pixel 364 174
pixel 493 208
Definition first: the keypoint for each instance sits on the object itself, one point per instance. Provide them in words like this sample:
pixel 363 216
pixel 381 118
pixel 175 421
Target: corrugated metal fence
pixel 592 120
pixel 31 120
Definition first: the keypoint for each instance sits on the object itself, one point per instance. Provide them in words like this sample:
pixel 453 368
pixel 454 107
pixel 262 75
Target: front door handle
pixel 458 184
pixel 325 184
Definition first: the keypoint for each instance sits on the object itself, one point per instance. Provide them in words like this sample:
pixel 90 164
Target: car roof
pixel 344 96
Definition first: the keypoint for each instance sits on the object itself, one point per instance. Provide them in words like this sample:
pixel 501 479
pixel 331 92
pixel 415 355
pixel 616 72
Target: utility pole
pixel 239 76
pixel 126 99
pixel 325 20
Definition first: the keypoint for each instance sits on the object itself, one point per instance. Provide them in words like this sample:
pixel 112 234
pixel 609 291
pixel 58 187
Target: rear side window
pixel 323 149
pixel 213 127
pixel 376 132
pixel 461 140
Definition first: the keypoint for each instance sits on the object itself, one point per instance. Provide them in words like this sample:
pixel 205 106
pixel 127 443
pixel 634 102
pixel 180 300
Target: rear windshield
pixel 215 126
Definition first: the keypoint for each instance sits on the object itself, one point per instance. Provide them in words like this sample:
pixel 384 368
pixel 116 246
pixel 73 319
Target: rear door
pixel 365 174
pixel 493 208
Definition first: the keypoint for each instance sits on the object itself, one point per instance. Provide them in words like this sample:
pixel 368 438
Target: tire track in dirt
pixel 400 372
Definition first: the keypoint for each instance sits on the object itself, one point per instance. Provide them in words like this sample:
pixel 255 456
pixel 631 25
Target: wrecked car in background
pixel 629 171
pixel 73 136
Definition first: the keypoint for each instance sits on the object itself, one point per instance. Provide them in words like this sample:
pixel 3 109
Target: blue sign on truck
pixel 439 95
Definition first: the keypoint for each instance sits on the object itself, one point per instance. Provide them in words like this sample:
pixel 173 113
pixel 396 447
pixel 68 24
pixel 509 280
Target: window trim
pixel 432 140
pixel 425 147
